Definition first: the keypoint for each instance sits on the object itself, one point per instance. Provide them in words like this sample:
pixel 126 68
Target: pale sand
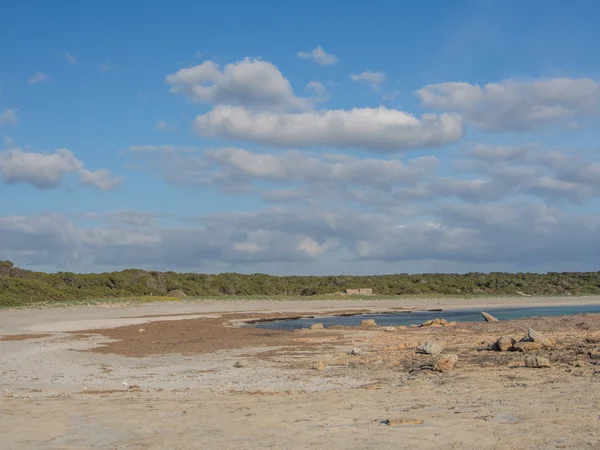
pixel 51 395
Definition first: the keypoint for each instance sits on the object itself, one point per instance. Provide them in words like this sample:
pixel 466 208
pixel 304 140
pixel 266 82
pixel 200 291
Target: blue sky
pixel 300 138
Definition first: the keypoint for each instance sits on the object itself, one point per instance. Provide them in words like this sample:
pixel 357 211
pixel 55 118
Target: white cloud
pixel 71 59
pixel 319 56
pixel 9 117
pixel 375 79
pixel 47 171
pixel 378 129
pixel 163 125
pixel 38 77
pixel 319 173
pixel 525 236
pixel 251 83
pixel 513 105
pixel 100 179
pixel 316 87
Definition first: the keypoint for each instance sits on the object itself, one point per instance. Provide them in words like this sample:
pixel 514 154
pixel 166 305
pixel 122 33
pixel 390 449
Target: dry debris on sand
pixel 206 382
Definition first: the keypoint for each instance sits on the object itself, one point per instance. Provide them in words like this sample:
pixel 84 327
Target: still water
pixel 417 317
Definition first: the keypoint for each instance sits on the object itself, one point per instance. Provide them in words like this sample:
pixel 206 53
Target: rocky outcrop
pixel 527 346
pixel 445 363
pixel 368 323
pixel 430 348
pixel 319 365
pixel 537 362
pixel 535 336
pixel 488 317
pixel 505 344
pixel 438 323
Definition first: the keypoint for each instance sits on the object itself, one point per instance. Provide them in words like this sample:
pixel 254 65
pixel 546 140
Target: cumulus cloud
pixel 523 235
pixel 38 77
pixel 319 56
pixel 504 171
pixel 252 83
pixel 375 79
pixel 321 174
pixel 9 117
pixel 514 105
pixel 377 129
pixel 48 170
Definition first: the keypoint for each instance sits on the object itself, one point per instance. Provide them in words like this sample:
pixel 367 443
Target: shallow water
pixel 417 317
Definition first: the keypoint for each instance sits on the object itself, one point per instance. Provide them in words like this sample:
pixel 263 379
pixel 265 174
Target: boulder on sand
pixel 430 348
pixel 504 344
pixel 536 362
pixel 527 346
pixel 317 326
pixel 445 363
pixel 489 317
pixel 535 336
pixel 368 323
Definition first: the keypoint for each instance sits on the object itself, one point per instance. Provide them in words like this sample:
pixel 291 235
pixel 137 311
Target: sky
pixel 308 138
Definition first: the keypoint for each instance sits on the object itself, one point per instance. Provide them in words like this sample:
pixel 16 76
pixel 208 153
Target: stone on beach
pixel 430 348
pixel 536 362
pixel 535 336
pixel 317 326
pixel 445 363
pixel 401 422
pixel 489 317
pixel 319 365
pixel 527 346
pixel 505 343
pixel 368 323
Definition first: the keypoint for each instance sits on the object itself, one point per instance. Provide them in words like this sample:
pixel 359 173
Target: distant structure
pixel 361 291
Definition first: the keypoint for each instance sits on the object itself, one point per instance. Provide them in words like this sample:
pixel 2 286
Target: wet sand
pixel 87 377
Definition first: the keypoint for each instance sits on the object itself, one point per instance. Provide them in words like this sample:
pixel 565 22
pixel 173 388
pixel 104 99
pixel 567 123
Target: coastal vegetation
pixel 19 286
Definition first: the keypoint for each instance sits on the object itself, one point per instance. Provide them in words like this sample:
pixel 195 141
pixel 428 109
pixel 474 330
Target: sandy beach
pixel 181 375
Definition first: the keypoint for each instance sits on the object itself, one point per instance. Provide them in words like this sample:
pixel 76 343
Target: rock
pixel 355 351
pixel 445 363
pixel 401 422
pixel 317 326
pixel 535 336
pixel 390 329
pixel 240 364
pixel 141 330
pixel 537 362
pixel 177 293
pixel 505 343
pixel 368 323
pixel 430 348
pixel 319 365
pixel 435 323
pixel 488 317
pixel 527 346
